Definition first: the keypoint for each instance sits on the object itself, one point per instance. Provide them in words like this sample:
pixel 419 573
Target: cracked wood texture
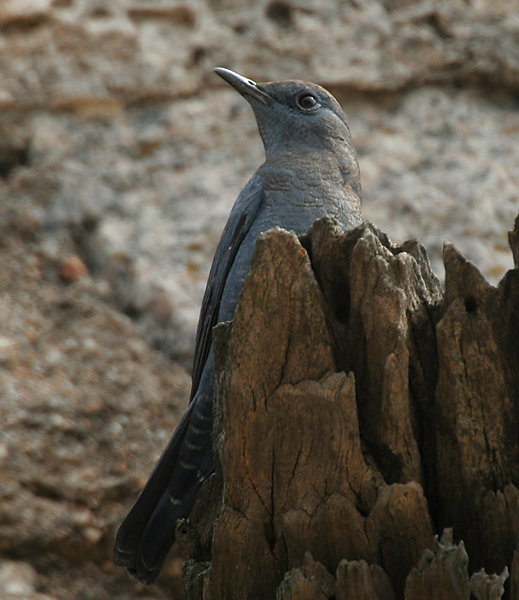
pixel 362 410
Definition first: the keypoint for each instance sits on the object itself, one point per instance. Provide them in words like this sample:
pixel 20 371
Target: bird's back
pixel 293 203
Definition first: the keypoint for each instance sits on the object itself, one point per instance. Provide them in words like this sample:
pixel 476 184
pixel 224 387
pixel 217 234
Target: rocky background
pixel 121 154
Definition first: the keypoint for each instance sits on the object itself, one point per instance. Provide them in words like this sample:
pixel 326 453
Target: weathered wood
pixel 513 239
pixel 311 581
pixel 488 587
pixel 514 576
pixel 360 409
pixel 478 443
pixel 442 573
pixel 356 580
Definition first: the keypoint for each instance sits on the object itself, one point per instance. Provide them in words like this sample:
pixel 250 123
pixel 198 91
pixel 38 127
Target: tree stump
pixel 360 411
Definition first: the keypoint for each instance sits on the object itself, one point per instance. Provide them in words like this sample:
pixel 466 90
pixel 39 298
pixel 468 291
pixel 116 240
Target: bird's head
pixel 294 116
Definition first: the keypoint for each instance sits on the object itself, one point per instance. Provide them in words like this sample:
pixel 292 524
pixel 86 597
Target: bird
pixel 310 171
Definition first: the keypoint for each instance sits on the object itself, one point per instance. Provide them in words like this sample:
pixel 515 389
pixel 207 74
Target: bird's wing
pixel 242 215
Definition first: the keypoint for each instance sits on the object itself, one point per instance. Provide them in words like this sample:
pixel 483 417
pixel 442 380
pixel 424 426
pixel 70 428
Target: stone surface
pixel 121 48
pixel 120 157
pixel 86 407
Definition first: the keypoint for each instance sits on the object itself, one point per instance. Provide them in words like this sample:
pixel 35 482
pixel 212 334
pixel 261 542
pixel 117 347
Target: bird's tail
pixel 145 537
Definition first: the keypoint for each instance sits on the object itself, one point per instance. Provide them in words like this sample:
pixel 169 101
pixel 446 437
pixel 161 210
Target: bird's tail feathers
pixel 146 535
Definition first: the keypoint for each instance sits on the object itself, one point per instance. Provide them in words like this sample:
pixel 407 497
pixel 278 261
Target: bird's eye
pixel 307 102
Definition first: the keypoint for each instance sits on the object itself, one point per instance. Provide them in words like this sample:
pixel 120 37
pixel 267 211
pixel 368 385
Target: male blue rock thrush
pixel 310 171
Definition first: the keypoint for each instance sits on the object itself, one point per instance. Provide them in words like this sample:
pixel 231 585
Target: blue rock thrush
pixel 310 171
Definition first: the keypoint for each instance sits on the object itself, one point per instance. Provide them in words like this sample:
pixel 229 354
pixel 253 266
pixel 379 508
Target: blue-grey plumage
pixel 310 171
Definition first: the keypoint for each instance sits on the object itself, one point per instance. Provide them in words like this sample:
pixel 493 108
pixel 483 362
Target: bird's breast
pixel 307 195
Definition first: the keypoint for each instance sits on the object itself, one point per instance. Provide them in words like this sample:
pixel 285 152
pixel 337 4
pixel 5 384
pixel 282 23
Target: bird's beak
pixel 246 87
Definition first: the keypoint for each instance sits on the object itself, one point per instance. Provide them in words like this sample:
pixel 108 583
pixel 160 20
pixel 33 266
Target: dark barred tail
pixel 145 537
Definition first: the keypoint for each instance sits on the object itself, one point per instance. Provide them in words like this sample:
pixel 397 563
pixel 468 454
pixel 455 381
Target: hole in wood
pixel 470 304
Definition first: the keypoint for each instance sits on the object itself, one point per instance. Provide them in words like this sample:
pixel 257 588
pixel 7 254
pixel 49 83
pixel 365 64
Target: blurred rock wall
pixel 120 157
